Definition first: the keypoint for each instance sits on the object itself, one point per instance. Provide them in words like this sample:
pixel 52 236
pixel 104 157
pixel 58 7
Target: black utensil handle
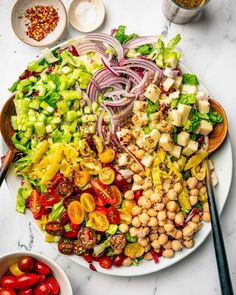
pixel 6 164
pixel 221 258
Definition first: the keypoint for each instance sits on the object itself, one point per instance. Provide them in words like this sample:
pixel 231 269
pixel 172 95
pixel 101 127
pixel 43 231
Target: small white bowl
pixel 86 15
pixel 7 259
pixel 19 21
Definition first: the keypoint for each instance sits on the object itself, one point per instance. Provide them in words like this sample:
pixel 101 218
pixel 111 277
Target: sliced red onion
pixel 139 41
pixel 90 47
pixel 108 66
pixel 142 63
pixel 99 125
pixel 113 80
pixel 154 256
pixel 118 92
pixel 193 212
pixel 117 103
pixel 155 78
pixel 128 72
pixel 168 72
pixel 139 87
pixel 134 157
pixel 118 118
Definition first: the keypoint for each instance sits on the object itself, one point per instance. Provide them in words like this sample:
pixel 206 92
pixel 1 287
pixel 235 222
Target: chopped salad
pixel 113 139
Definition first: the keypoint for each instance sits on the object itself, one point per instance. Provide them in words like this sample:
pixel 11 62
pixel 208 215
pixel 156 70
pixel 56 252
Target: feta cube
pixel 147 161
pixel 201 95
pixel 139 106
pixel 174 95
pixel 140 119
pixel 152 92
pixel 176 151
pixel 205 127
pixel 168 83
pixel 175 117
pixel 178 82
pixel 191 148
pixel 184 110
pixel 183 138
pixel 149 141
pixel 214 178
pixel 124 135
pixel 122 159
pixel 203 106
pixel 189 89
pixel 155 134
pixel 166 142
pixel 170 73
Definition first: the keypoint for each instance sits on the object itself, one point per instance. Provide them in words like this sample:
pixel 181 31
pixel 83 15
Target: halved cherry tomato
pixel 106 175
pixel 105 262
pixel 74 226
pixel 82 178
pixel 113 215
pixel 72 234
pixel 87 238
pixel 66 201
pixel 54 228
pixel 118 241
pixel 118 195
pixel 98 221
pixel 64 218
pixel 104 192
pixel 65 189
pixel 78 249
pixel 76 212
pixel 58 178
pixel 107 155
pixel 99 202
pixel 119 181
pixel 102 209
pixel 87 201
pixel 125 216
pixel 66 246
pixel 45 211
pixel 35 204
pixel 134 250
pixel 129 204
pixel 91 165
pixel 49 199
pixel 118 259
pixel 88 258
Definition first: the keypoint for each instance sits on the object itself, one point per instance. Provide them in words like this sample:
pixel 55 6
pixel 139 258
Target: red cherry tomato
pixel 118 241
pixel 7 291
pixel 88 258
pixel 119 181
pixel 113 215
pixel 72 234
pixel 58 178
pixel 68 200
pixel 66 246
pixel 98 201
pixel 104 192
pixel 102 210
pixel 49 199
pixel 24 281
pixel 35 204
pixel 26 292
pixel 137 195
pixel 65 189
pixel 64 218
pixel 42 278
pixel 45 211
pixel 74 226
pixel 118 260
pixel 53 284
pixel 41 268
pixel 54 228
pixel 26 263
pixel 42 289
pixel 105 262
pixel 87 238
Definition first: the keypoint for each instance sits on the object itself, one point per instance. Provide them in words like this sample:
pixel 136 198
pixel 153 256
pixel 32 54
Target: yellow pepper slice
pixel 196 160
pixel 39 153
pixel 183 200
pixel 200 175
pixel 156 178
pixel 174 168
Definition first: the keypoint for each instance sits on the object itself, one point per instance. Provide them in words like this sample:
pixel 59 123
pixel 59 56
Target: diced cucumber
pixel 33 79
pixel 51 85
pixel 71 116
pixel 87 110
pixel 34 104
pixel 49 129
pixel 44 77
pixel 75 74
pixel 70 94
pixel 88 118
pixel 41 89
pixel 29 132
pixel 67 70
pixel 40 128
pixel 56 120
pixel 41 118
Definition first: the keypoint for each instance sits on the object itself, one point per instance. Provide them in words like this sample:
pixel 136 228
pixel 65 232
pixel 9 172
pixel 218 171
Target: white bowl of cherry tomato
pixel 28 273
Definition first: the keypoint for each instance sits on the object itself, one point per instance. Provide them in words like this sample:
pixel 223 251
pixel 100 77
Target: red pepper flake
pixel 43 20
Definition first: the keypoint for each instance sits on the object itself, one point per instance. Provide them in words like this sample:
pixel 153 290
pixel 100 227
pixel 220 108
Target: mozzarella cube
pixel 189 89
pixel 122 159
pixel 184 110
pixel 191 148
pixel 183 138
pixel 178 82
pixel 203 106
pixel 205 127
pixel 176 117
pixel 139 106
pixel 176 151
pixel 153 92
pixel 147 161
pixel 174 95
pixel 155 135
pixel 201 95
pixel 168 83
pixel 166 142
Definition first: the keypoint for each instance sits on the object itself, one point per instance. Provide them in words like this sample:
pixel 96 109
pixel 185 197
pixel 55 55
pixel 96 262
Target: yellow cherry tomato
pixel 129 204
pixel 82 178
pixel 118 195
pixel 125 216
pixel 87 201
pixel 134 250
pixel 91 165
pixel 14 269
pixel 107 156
pixel 98 221
pixel 75 212
pixel 106 175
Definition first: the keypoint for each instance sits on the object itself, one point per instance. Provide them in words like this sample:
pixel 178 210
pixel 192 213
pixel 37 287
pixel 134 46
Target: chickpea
pixel 166 185
pixel 163 239
pixel 144 218
pixel 127 261
pixel 137 179
pixel 124 228
pixel 161 215
pixel 143 241
pixel 153 221
pixel 205 207
pixel 206 216
pixel 188 244
pixel 136 210
pixel 194 192
pixel 154 229
pixel 135 168
pixel 193 225
pixel 133 231
pixel 140 154
pixel 161 230
pixel 151 212
pixel 165 200
pixel 176 245
pixel 171 206
pixel 172 233
pixel 170 215
pixel 129 195
pixel 187 231
pixel 192 182
pixel 148 256
pixel 172 195
pixel 155 244
pixel 153 237
pixel 169 253
pixel 147 184
pixel 178 234
pixel 179 218
pixel 177 187
pixel 193 200
pixel 143 232
pixel 147 194
pixel 168 245
pixel 142 173
pixel 147 248
pixel 146 230
pixel 169 227
pixel 203 190
pixel 145 203
pixel 196 218
pixel 162 223
pixel 159 206
pixel 156 198
pixel 136 222
pixel 199 185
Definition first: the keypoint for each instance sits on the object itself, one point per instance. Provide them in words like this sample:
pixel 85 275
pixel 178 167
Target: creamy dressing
pixel 86 13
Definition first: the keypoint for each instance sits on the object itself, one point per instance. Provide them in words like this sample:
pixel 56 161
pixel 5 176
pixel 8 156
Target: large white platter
pixel 223 163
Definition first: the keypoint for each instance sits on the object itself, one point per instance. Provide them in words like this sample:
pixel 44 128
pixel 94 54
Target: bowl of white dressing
pixel 86 15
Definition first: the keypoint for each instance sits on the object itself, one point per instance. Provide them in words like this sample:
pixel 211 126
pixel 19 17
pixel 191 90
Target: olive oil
pixel 189 3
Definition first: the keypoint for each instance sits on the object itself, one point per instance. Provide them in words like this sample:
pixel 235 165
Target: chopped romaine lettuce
pixel 98 249
pixel 214 117
pixel 57 211
pixel 122 37
pixel 23 193
pixel 187 99
pixel 144 49
pixel 190 79
pixel 151 107
pixel 112 229
pixel 130 239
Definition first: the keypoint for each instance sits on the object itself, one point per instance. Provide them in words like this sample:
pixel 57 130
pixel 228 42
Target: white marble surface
pixel 210 51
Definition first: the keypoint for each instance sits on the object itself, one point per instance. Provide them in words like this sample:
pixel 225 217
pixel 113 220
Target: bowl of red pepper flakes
pixel 39 23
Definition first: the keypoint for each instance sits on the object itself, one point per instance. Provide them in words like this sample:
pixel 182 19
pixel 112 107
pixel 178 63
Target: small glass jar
pixel 181 15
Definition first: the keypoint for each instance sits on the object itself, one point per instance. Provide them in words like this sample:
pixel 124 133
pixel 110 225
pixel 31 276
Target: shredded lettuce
pixel 57 211
pixel 130 239
pixel 122 37
pixel 190 79
pixel 144 49
pixel 151 107
pixel 14 86
pixel 23 193
pixel 187 99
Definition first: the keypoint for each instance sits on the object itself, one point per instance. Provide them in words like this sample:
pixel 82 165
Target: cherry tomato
pixel 14 269
pixel 7 291
pixel 58 178
pixel 65 189
pixel 91 165
pixel 87 238
pixel 68 200
pixel 45 211
pixel 87 201
pixel 78 249
pixel 66 246
pixel 129 204
pixel 137 195
pixel 119 181
pixel 26 263
pixel 106 175
pixel 113 215
pixel 98 201
pixel 125 216
pixel 35 204
pixel 107 155
pixel 53 284
pixel 41 268
pixel 42 289
pixel 24 281
pixel 105 262
pixel 76 212
pixel 88 258
pixel 64 218
pixel 49 199
pixel 54 228
pixel 104 192
pixel 102 210
pixel 98 221
pixel 118 241
pixel 134 250
pixel 74 226
pixel 118 259
pixel 118 195
pixel 42 278
pixel 82 178
pixel 26 292
pixel 72 234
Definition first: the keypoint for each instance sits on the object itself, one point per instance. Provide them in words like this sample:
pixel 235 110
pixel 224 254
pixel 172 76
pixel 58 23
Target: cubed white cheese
pixel 203 106
pixel 166 142
pixel 155 134
pixel 124 135
pixel 183 138
pixel 122 159
pixel 176 151
pixel 137 132
pixel 178 82
pixel 172 61
pixel 175 117
pixel 214 178
pixel 191 148
pixel 168 83
pixel 139 106
pixel 168 72
pixel 140 119
pixel 174 95
pixel 189 89
pixel 184 110
pixel 149 141
pixel 147 161
pixel 205 127
pixel 201 95
pixel 152 92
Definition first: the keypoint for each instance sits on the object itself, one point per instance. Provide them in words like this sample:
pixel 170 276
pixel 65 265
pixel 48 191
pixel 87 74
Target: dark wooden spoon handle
pixel 6 164
pixel 221 258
